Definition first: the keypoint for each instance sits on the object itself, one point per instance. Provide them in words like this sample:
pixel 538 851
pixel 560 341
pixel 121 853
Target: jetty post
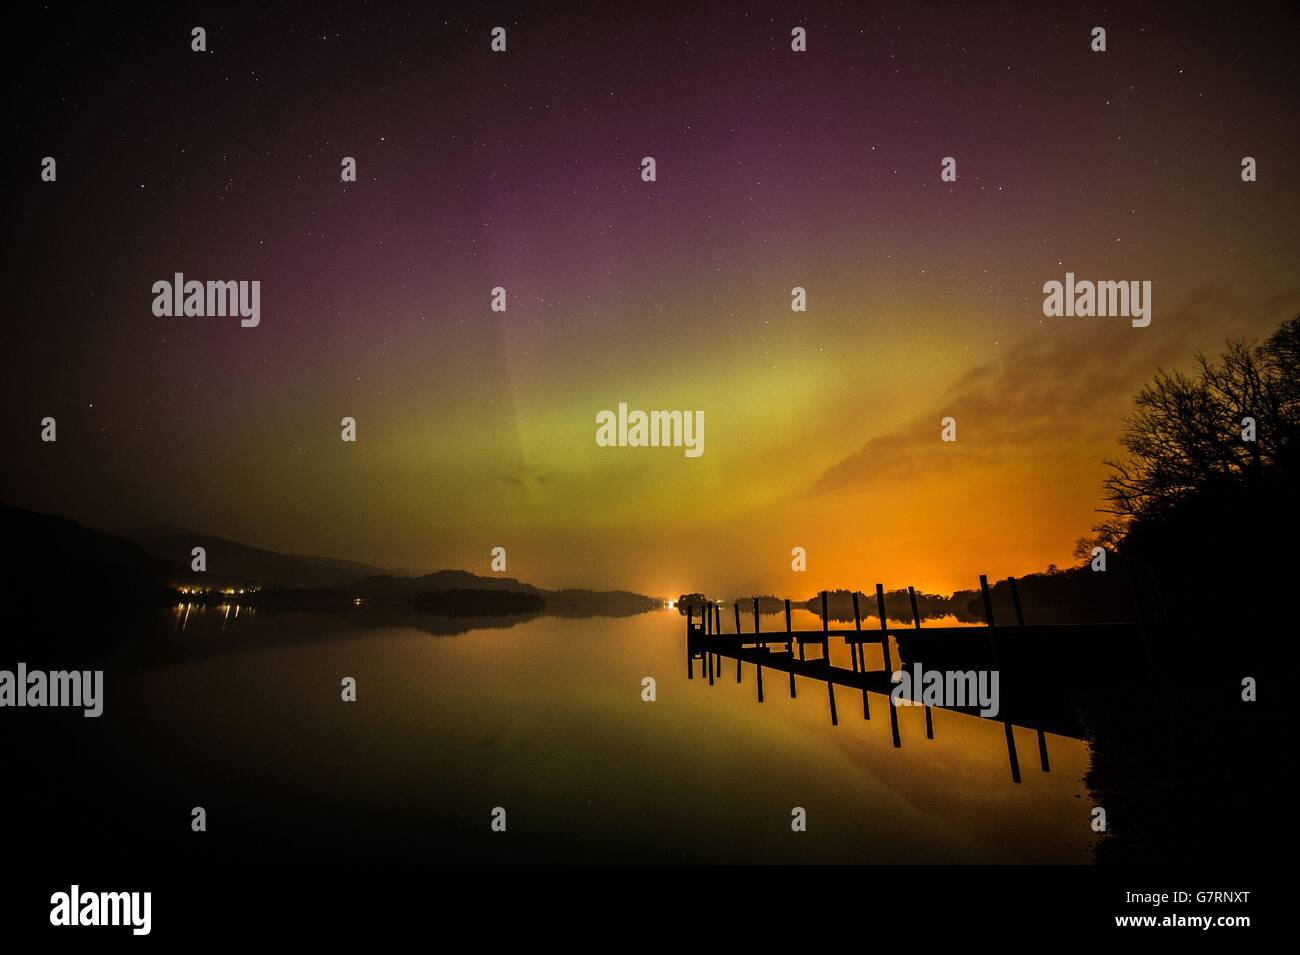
pixel 916 625
pixel 738 640
pixel 993 645
pixel 857 646
pixel 1020 622
pixel 789 644
pixel 860 656
pixel 708 650
pixel 690 650
pixel 884 629
pixel 826 661
pixel 889 666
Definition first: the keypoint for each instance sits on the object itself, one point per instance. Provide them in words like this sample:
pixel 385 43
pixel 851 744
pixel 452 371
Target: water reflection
pixel 229 612
pixel 543 716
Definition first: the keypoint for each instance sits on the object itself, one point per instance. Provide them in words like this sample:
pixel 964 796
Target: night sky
pixel 521 169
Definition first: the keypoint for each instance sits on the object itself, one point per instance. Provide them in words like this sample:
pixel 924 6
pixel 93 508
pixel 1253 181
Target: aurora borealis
pixel 521 170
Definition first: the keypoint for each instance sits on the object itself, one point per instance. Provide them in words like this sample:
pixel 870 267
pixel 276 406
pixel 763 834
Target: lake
pixel 543 718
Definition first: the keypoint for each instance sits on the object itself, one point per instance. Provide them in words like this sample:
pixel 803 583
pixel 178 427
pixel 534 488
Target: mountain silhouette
pixel 392 584
pixel 231 559
pixel 50 560
pixel 66 587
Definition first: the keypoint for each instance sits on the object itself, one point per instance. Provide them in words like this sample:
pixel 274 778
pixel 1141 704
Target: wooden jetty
pixel 1034 663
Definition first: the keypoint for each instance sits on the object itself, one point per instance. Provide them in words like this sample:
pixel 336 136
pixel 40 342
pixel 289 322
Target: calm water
pixel 545 718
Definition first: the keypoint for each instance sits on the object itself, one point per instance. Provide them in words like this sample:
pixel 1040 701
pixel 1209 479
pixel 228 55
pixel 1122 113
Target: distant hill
pixel 66 586
pixel 390 584
pixel 599 603
pixel 58 549
pixel 230 559
pixel 563 603
pixel 55 562
pixel 311 581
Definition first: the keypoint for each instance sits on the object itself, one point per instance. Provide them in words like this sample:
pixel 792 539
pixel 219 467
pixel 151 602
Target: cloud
pixel 1069 382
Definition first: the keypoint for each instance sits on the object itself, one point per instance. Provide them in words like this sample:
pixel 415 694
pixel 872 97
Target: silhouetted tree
pixel 1186 435
pixel 693 602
